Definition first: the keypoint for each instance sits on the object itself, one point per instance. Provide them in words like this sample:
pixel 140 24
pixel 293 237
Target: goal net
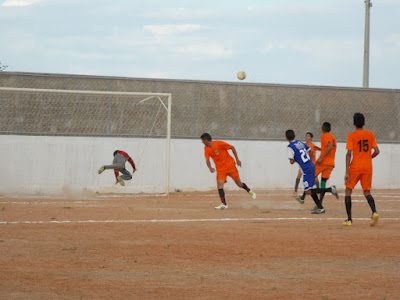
pixel 59 139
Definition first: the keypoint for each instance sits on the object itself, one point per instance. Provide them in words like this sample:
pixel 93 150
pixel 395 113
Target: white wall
pixel 44 164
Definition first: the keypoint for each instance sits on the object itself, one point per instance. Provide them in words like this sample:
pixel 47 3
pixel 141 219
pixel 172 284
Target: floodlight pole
pixel 368 6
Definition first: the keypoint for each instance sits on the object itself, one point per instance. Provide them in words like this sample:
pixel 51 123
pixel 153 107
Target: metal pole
pixel 368 5
pixel 194 109
pixel 168 143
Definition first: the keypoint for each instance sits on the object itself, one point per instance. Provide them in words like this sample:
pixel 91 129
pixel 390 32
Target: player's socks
pixel 371 203
pixel 323 182
pixel 316 200
pixel 222 196
pixel 296 186
pixel 244 186
pixel 303 196
pixel 347 201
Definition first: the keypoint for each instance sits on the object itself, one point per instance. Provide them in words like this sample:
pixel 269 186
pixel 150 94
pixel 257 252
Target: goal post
pixel 56 112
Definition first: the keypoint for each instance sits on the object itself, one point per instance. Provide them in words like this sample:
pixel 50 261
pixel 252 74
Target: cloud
pixel 210 51
pixel 20 2
pixel 173 29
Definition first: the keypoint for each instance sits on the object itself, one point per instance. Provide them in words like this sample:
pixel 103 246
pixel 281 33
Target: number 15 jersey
pixel 361 142
pixel 298 151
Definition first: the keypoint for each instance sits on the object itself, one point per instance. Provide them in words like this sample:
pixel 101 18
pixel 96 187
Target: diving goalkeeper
pixel 118 165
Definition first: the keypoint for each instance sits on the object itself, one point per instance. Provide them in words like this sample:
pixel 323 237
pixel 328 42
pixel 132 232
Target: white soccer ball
pixel 241 75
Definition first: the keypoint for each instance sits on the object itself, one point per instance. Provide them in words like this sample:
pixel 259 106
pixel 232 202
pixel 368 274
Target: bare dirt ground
pixel 178 247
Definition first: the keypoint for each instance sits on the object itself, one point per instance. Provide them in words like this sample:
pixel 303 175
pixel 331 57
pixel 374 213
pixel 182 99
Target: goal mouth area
pixel 86 113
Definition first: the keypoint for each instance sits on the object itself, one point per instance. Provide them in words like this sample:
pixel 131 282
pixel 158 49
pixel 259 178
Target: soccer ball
pixel 241 75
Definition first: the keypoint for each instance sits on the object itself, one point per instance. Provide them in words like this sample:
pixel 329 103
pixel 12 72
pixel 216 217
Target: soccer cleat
pixel 252 194
pixel 318 211
pixel 314 208
pixel 335 192
pixel 121 181
pixel 374 219
pixel 101 170
pixel 348 223
pixel 221 206
pixel 298 198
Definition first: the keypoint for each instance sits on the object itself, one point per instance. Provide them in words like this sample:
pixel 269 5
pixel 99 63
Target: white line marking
pixel 182 220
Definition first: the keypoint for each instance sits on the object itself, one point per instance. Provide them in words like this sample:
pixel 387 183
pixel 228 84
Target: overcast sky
pixel 317 42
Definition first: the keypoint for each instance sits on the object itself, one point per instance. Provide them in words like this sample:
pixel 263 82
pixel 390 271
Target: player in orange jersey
pixel 360 143
pixel 225 165
pixel 312 152
pixel 326 161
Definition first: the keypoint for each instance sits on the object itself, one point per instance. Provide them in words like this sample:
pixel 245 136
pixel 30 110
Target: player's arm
pixel 212 170
pixel 290 153
pixel 376 152
pixel 348 160
pixel 238 162
pixel 130 160
pixel 316 148
pixel 329 147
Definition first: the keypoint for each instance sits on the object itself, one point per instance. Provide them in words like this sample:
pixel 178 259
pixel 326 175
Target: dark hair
pixel 290 135
pixel 359 120
pixel 310 133
pixel 206 136
pixel 326 127
pixel 116 152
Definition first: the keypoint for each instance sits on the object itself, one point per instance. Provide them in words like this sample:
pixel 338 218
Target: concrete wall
pixel 45 164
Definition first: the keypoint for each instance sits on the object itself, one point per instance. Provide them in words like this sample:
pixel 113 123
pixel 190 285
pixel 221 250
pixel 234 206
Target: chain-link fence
pixel 226 110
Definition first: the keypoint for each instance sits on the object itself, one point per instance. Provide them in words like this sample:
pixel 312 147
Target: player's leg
pixel 347 202
pixel 366 182
pixel 326 174
pixel 126 174
pixel 353 180
pixel 234 174
pixel 296 186
pixel 114 166
pixel 221 180
pixel 320 209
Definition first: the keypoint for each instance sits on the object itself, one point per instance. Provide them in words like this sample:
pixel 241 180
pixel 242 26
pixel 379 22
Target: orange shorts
pixel 324 169
pixel 232 172
pixel 355 177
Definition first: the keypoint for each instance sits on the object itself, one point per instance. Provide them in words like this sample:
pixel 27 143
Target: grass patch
pixel 274 288
pixel 265 212
pixel 67 207
pixel 69 249
pixel 3 208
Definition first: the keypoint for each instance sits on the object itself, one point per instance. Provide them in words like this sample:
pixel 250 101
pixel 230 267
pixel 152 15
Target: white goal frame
pixel 110 93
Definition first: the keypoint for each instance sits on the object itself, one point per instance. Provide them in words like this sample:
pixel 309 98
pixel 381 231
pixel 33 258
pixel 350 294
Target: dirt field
pixel 179 247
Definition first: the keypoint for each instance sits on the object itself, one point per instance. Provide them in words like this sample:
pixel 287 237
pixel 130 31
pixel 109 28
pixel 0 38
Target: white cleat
pixel 253 194
pixel 221 206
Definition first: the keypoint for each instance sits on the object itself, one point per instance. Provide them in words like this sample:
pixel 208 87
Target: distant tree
pixel 3 67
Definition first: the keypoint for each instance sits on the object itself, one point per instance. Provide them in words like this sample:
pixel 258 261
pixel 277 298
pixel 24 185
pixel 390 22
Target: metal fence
pixel 224 109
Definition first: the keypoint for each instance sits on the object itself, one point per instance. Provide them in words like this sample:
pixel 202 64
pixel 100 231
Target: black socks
pixel 222 196
pixel 371 203
pixel 347 201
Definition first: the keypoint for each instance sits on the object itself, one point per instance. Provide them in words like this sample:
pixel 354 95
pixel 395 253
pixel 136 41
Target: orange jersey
pixel 361 143
pixel 219 153
pixel 329 159
pixel 312 146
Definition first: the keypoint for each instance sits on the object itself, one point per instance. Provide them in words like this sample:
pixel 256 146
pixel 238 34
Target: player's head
pixel 359 120
pixel 206 139
pixel 326 127
pixel 116 152
pixel 290 135
pixel 309 136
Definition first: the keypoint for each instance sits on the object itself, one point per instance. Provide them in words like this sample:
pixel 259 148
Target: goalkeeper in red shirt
pixel 118 165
